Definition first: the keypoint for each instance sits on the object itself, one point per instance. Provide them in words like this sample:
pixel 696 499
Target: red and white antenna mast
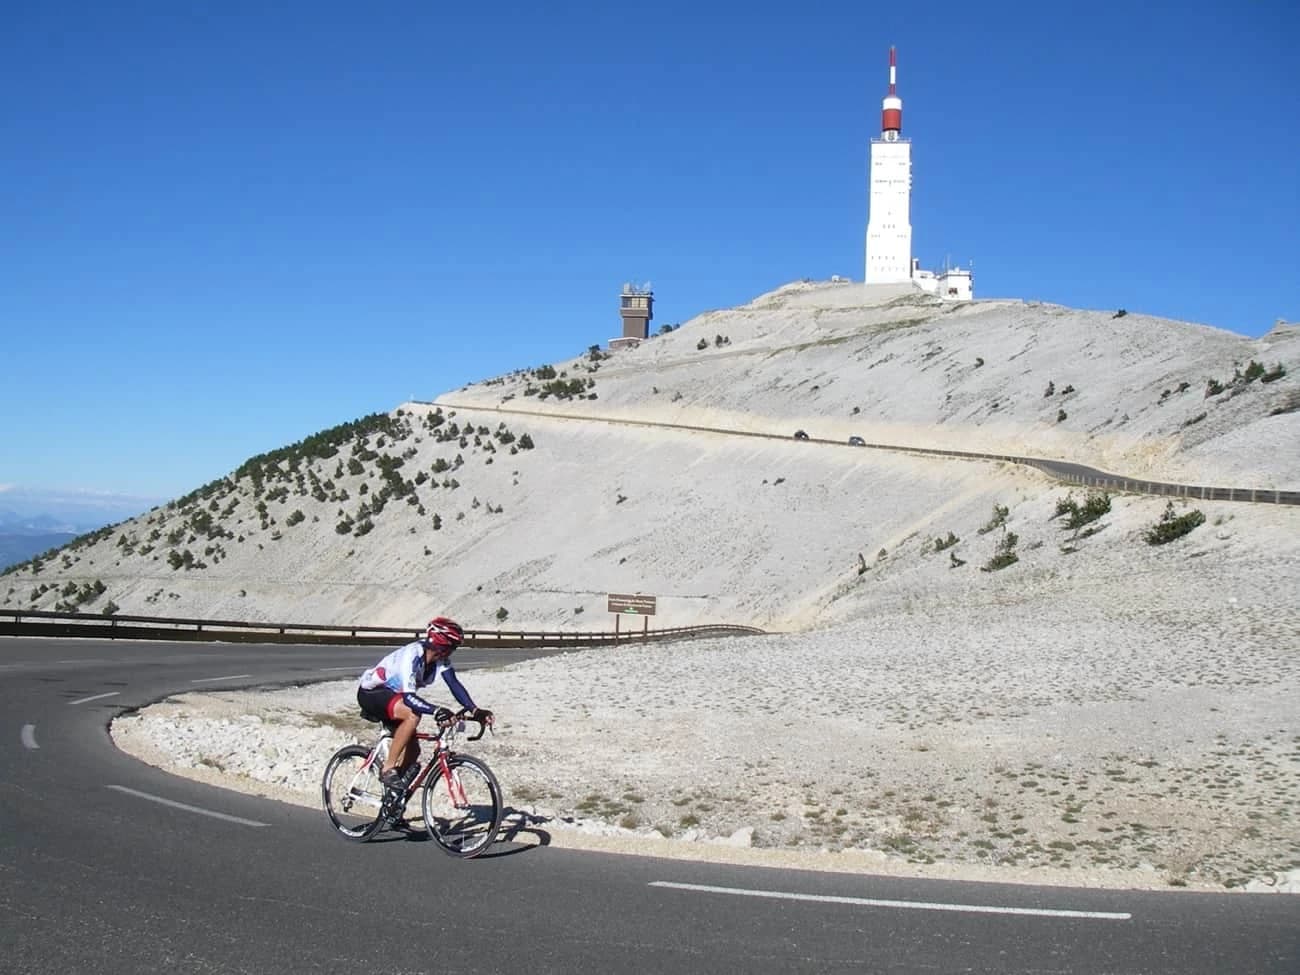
pixel 891 108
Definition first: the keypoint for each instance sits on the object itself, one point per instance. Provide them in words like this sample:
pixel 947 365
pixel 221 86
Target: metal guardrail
pixel 1091 477
pixel 51 624
pixel 1165 489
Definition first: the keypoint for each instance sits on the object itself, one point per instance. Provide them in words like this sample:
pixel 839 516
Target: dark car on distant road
pixel 800 435
pixel 857 442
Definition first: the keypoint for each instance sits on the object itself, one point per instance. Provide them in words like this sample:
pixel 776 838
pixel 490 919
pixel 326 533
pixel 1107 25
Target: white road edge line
pixel 29 736
pixel 93 697
pixel 205 680
pixel 188 808
pixel 908 905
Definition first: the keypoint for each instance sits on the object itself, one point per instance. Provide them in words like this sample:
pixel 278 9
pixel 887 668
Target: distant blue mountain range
pixel 33 521
pixel 16 523
pixel 19 547
pixel 22 536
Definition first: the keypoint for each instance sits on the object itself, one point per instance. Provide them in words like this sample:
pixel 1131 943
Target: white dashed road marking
pixel 905 905
pixel 188 808
pixel 29 736
pixel 206 680
pixel 94 697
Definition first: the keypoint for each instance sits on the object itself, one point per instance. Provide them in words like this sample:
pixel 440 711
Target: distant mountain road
pixel 1063 470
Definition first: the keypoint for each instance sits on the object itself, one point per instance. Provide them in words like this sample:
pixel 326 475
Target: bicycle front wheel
pixel 352 793
pixel 462 812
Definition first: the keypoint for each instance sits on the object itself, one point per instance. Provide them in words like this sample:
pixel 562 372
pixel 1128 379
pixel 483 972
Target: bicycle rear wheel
pixel 463 815
pixel 352 794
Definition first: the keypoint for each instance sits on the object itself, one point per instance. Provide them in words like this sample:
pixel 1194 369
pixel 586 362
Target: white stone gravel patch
pixel 1072 737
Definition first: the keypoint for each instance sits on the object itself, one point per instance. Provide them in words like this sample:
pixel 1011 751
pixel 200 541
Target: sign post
pixel 621 604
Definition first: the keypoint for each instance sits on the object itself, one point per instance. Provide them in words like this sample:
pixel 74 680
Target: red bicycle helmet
pixel 444 634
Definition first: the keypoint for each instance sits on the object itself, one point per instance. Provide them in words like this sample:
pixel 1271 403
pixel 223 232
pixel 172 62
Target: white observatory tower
pixel 889 215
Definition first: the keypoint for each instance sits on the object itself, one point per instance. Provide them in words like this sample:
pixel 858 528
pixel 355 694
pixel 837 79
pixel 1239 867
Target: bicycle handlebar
pixel 464 714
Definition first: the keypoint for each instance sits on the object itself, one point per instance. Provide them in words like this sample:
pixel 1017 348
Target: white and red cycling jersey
pixel 404 671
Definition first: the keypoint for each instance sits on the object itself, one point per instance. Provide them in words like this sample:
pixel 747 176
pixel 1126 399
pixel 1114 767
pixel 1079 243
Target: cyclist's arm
pixel 457 689
pixel 418 704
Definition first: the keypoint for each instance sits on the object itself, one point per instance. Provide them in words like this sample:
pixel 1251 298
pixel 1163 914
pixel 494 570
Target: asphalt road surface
pixel 111 866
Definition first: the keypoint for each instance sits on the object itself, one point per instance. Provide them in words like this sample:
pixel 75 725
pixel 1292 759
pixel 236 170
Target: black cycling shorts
pixel 378 702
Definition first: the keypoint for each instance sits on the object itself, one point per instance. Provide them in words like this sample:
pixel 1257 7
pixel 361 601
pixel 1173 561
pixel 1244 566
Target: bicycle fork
pixel 454 788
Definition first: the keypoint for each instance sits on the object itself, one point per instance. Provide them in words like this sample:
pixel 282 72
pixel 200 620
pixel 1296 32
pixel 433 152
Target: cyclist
pixel 387 692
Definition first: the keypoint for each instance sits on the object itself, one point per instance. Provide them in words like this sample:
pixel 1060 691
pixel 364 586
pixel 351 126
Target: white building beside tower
pixel 889 202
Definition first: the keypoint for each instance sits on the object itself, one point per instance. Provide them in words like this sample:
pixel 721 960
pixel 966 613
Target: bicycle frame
pixel 442 754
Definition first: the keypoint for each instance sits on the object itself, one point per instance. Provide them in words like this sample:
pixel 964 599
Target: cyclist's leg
pixel 403 734
pixel 385 705
pixel 411 755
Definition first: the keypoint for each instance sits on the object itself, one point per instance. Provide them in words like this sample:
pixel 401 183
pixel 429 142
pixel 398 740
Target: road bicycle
pixel 461 803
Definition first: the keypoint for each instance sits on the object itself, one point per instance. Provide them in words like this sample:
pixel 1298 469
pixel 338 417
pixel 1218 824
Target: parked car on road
pixel 857 442
pixel 800 435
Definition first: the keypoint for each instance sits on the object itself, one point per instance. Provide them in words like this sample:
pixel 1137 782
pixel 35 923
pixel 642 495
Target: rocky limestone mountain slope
pixel 497 505
pixel 991 376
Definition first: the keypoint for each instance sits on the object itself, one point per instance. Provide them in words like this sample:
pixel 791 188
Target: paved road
pixel 1065 470
pixel 111 866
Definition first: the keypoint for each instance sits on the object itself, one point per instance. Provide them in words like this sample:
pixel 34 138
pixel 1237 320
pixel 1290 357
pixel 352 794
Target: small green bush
pixel 1172 526
pixel 1004 555
pixel 998 519
pixel 1094 506
pixel 502 614
pixel 942 543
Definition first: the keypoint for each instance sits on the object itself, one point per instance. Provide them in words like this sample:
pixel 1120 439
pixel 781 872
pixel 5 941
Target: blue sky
pixel 225 227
